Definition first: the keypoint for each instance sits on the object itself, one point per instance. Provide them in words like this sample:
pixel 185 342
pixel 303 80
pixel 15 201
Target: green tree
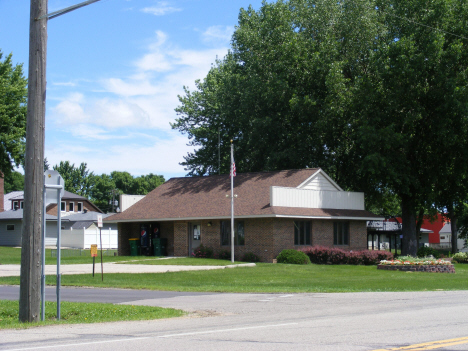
pixel 13 98
pixel 78 180
pixel 374 92
pixel 14 181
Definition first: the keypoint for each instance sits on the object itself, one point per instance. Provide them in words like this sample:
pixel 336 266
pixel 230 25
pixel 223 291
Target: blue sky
pixel 114 70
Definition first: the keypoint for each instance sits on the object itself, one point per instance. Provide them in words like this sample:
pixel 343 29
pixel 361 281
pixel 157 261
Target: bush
pixel 203 252
pixel 428 251
pixel 224 255
pixel 293 257
pixel 331 255
pixel 461 257
pixel 251 257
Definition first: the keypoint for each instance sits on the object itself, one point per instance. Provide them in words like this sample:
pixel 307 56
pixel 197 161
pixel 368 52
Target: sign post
pixel 93 254
pixel 53 191
pixel 99 219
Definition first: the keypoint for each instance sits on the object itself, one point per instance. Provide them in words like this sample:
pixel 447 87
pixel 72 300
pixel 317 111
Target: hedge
pixel 331 255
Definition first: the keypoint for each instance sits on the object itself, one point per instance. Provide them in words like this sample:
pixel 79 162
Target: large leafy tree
pixel 78 180
pixel 13 97
pixel 374 92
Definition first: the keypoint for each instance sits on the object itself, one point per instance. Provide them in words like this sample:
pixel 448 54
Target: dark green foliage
pixel 251 257
pixel 14 181
pixel 13 98
pixel 293 257
pixel 203 252
pixel 428 251
pixel 224 255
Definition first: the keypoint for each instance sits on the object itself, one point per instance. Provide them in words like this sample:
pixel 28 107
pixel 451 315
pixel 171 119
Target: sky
pixel 115 69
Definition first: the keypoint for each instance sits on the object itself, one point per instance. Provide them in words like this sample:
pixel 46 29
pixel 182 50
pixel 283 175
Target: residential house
pixel 70 204
pixel 273 211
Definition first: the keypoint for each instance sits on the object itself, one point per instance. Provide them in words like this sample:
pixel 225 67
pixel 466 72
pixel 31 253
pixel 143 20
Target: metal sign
pixel 52 177
pixel 99 221
pixel 94 250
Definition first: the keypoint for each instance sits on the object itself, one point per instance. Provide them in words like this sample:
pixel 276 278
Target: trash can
pixel 157 247
pixel 134 246
pixel 160 245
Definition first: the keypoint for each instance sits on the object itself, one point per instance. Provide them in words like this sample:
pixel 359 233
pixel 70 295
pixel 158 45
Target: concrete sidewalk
pixel 12 270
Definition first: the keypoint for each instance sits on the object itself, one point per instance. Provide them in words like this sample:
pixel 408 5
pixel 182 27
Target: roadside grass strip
pixel 273 278
pixel 79 312
pixel 433 345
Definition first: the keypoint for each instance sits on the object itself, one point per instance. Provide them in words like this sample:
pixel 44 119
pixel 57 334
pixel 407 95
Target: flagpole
pixel 232 202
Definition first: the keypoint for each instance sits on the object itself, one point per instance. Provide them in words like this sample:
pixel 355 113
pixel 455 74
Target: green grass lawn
pixel 76 312
pixel 12 255
pixel 276 278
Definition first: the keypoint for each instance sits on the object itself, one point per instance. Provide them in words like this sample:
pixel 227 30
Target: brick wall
pixel 181 239
pixel 264 237
pixel 52 208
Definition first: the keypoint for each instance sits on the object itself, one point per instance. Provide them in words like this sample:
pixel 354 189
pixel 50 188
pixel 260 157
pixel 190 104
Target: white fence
pixel 84 238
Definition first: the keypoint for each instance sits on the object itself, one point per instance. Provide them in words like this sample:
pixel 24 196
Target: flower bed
pixel 417 265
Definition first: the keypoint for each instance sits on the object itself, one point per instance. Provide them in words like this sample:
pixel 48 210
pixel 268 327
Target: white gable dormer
pixel 319 181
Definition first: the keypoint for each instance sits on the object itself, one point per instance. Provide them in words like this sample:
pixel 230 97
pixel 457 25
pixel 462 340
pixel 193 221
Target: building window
pixel 71 206
pixel 21 204
pixel 63 206
pixel 239 235
pixel 341 233
pixel 302 233
pixel 79 207
pixel 10 227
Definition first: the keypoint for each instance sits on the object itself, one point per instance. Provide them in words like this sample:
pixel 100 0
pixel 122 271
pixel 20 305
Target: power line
pixel 425 25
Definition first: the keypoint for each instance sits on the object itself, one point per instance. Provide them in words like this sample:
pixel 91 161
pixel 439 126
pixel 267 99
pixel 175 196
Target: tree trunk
pixel 409 241
pixel 30 281
pixel 454 230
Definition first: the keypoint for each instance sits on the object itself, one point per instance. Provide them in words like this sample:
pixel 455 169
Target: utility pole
pixel 30 281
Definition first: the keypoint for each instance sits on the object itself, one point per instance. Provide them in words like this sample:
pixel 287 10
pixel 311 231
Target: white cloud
pixel 217 34
pixel 162 8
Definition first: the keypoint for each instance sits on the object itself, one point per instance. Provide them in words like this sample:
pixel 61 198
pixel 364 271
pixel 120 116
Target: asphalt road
pixel 354 321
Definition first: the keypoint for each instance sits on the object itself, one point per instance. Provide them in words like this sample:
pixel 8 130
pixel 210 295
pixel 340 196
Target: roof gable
pixel 320 181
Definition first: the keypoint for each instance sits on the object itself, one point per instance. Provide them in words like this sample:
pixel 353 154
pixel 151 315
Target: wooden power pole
pixel 30 282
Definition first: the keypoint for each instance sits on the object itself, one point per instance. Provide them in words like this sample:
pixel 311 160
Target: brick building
pixel 273 211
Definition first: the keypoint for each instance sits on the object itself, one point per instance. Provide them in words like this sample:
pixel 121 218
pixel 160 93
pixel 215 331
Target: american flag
pixel 233 169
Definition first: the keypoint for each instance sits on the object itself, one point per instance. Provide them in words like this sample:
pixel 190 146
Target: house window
pixel 239 236
pixel 63 206
pixel 71 206
pixel 10 227
pixel 21 204
pixel 341 233
pixel 79 207
pixel 442 237
pixel 302 233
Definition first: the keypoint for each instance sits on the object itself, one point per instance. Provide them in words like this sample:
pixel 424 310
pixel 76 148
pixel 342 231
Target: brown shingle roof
pixel 205 197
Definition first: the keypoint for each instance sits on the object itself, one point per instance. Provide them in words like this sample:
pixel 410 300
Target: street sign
pixel 93 250
pixel 53 178
pixel 99 221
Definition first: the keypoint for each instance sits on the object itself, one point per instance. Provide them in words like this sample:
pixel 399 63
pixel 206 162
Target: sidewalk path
pixel 12 270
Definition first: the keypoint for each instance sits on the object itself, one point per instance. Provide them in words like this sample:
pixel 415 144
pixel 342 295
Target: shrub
pixel 203 252
pixel 428 251
pixel 251 257
pixel 224 255
pixel 461 257
pixel 293 257
pixel 331 255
